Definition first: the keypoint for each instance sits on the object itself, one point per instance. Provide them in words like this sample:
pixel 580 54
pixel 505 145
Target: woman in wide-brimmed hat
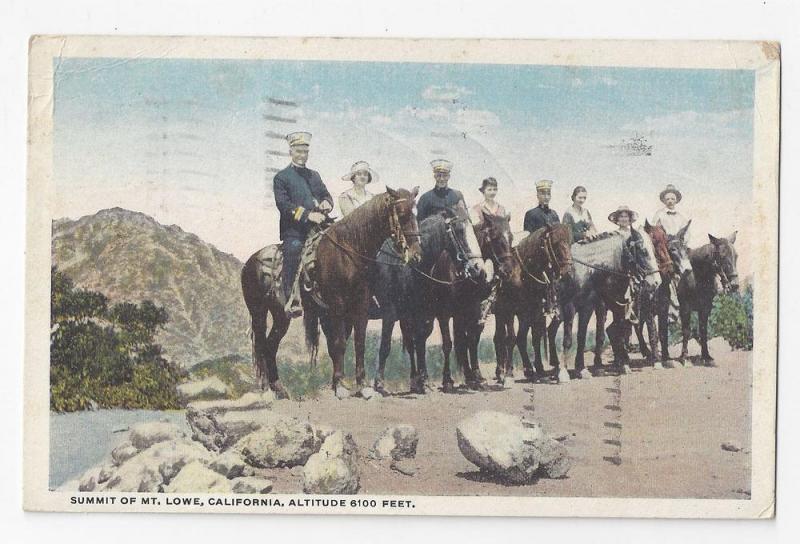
pixel 624 218
pixel 489 205
pixel 360 174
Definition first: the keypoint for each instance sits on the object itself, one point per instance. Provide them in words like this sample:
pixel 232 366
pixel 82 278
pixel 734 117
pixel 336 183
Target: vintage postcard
pixel 402 276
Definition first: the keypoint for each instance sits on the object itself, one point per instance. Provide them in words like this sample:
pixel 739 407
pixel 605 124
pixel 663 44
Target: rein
pixel 552 261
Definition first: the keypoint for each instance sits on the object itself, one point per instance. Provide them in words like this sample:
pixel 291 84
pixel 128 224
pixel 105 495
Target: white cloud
pixel 445 93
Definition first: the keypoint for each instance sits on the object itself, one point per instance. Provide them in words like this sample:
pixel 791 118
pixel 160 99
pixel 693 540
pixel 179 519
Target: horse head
pixel 557 241
pixel 496 240
pixel 725 258
pixel 403 227
pixel 642 261
pixel 463 243
pixel 679 251
pixel 658 236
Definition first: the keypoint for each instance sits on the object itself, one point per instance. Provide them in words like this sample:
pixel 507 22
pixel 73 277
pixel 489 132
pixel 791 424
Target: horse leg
pixel 537 330
pixel 423 330
pixel 552 331
pixel 258 325
pixel 639 329
pixel 474 330
pixel 663 326
pixel 500 347
pixel 583 324
pixel 409 345
pixel 686 331
pixel 568 310
pixel 334 333
pixel 702 318
pixel 600 312
pixel 387 326
pixel 652 335
pixel 447 348
pixel 522 345
pixel 360 336
pixel 280 325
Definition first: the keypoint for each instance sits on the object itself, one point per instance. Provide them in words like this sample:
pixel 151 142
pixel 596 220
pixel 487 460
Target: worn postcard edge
pixel 761 57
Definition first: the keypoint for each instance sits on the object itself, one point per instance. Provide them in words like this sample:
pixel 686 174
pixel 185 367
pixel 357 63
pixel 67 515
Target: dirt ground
pixel 652 433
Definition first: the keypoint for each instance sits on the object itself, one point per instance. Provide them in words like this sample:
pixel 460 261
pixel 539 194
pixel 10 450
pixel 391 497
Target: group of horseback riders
pixel 305 203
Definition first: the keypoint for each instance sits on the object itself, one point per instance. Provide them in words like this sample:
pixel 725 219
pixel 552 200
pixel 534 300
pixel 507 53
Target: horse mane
pixel 432 238
pixel 359 227
pixel 604 251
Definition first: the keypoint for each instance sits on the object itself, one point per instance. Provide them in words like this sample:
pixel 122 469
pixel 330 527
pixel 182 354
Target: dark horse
pixel 600 281
pixel 681 266
pixel 540 259
pixel 344 254
pixel 650 298
pixel 416 295
pixel 697 289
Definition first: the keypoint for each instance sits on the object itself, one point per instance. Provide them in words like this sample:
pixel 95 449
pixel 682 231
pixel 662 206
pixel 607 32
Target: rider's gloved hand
pixel 316 217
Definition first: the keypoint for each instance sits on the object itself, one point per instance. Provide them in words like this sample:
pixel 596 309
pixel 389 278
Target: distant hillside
pixel 129 256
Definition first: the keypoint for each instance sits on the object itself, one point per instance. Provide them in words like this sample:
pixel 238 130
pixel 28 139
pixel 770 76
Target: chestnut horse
pixel 344 255
pixel 540 259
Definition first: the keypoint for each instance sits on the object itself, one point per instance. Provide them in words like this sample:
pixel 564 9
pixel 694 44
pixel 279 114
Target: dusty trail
pixel 652 433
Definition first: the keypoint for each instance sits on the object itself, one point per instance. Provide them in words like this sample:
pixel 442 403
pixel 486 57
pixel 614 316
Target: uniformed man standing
pixel 441 196
pixel 303 200
pixel 541 216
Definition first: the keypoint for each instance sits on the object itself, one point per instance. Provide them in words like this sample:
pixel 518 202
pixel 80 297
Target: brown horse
pixel 344 255
pixel 540 260
pixel 697 289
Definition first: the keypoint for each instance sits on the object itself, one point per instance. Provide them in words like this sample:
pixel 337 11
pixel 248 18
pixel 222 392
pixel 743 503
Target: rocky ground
pixel 682 432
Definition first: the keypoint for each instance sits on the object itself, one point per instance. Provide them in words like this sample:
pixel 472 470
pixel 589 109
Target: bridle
pixel 490 241
pixel 720 270
pixel 463 254
pixel 552 263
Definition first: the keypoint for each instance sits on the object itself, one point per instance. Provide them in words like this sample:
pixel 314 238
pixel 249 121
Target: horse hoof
pixel 658 366
pixel 367 393
pixel 563 375
pixel 475 385
pixel 448 387
pixel 279 391
pixel 341 392
pixel 669 363
pixel 688 364
pixel 585 374
pixel 710 362
pixel 626 369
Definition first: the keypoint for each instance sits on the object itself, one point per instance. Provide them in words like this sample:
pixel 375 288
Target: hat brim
pixel 372 173
pixel 665 192
pixel 613 215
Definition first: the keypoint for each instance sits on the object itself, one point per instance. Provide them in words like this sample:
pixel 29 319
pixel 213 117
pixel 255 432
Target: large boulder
pixel 123 452
pixel 510 449
pixel 144 435
pixel 218 425
pixel 231 465
pixel 283 442
pixel 208 388
pixel 396 443
pixel 195 477
pixel 334 469
pixel 154 467
pixel 251 485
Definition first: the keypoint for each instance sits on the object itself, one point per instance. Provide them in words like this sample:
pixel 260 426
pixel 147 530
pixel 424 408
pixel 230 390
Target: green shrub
pixel 732 318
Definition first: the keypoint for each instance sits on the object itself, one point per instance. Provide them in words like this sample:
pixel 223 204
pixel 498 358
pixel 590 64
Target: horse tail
pixel 311 325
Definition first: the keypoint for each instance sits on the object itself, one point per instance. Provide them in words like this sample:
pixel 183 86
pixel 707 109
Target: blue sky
pixel 150 133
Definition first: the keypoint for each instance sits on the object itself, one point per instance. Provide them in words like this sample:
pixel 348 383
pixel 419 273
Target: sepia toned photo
pixel 414 277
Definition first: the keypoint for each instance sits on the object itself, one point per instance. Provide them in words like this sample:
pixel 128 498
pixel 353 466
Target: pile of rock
pixel 511 449
pixel 399 445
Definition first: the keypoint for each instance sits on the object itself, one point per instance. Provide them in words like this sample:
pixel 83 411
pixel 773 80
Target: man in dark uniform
pixel 541 216
pixel 441 196
pixel 303 200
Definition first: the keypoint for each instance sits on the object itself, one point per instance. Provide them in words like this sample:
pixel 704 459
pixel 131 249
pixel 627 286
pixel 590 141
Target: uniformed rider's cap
pixel 441 165
pixel 544 184
pixel 298 138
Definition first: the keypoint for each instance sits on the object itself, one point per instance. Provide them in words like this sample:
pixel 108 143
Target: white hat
pixel 359 167
pixel 614 216
pixel 442 165
pixel 298 138
pixel 544 184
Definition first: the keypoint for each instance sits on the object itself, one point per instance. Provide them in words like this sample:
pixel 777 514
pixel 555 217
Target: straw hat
pixel 358 167
pixel 615 214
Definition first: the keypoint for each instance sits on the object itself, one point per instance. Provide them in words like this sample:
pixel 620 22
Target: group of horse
pixel 444 268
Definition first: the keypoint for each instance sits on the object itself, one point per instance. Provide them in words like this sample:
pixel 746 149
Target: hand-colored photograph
pixel 277 277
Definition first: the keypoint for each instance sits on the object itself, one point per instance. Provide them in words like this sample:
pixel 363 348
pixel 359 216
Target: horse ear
pixel 659 224
pixel 647 226
pixel 415 192
pixel 732 237
pixel 391 192
pixel 683 230
pixel 714 240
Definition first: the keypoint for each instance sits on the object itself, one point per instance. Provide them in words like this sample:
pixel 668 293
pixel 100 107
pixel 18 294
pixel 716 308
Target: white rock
pixel 398 442
pixel 144 435
pixel 367 393
pixel 154 467
pixel 251 485
pixel 503 445
pixel 230 464
pixel 284 442
pixel 123 452
pixel 334 469
pixel 218 429
pixel 208 388
pixel 342 392
pixel 195 477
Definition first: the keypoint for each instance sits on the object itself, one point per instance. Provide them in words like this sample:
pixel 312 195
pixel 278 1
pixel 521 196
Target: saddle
pixel 270 260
